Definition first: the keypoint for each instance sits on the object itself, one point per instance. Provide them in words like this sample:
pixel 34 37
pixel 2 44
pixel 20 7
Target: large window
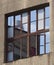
pixel 27 33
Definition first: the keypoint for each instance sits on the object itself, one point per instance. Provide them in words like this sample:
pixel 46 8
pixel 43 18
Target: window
pixel 27 33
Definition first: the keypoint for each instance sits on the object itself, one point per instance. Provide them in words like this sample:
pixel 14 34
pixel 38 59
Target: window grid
pixel 29 33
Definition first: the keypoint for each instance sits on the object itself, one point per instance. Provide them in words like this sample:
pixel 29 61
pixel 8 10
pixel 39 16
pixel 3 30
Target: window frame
pixel 28 34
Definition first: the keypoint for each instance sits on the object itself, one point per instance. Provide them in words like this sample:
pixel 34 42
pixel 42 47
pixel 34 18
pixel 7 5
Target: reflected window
pixel 25 22
pixel 33 21
pixel 10 27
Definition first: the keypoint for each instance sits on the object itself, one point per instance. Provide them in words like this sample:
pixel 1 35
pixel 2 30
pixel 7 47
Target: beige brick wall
pixel 7 6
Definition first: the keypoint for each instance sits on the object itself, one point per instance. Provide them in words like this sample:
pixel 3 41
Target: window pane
pixel 47 48
pixel 10 32
pixel 32 45
pixel 41 49
pixel 17 21
pixel 47 12
pixel 24 47
pixel 10 21
pixel 47 23
pixel 33 26
pixel 41 14
pixel 47 37
pixel 24 17
pixel 10 56
pixel 40 24
pixel 25 28
pixel 17 44
pixel 33 15
pixel 42 40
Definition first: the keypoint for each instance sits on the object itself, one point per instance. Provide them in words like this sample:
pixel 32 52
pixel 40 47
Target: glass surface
pixel 33 15
pixel 17 21
pixel 41 14
pixel 10 21
pixel 42 40
pixel 24 17
pixel 10 32
pixel 41 49
pixel 10 56
pixel 40 24
pixel 33 41
pixel 47 23
pixel 24 47
pixel 47 37
pixel 25 28
pixel 33 27
pixel 47 12
pixel 47 48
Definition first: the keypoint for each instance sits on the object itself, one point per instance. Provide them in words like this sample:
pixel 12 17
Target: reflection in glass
pixel 42 40
pixel 40 24
pixel 17 21
pixel 47 37
pixel 33 26
pixel 41 49
pixel 10 56
pixel 47 48
pixel 10 21
pixel 33 15
pixel 25 22
pixel 10 32
pixel 41 14
pixel 47 23
pixel 24 17
pixel 25 27
pixel 47 12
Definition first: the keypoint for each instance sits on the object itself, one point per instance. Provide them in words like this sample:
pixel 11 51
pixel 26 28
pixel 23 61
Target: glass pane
pixel 42 40
pixel 10 56
pixel 24 47
pixel 47 12
pixel 32 45
pixel 33 27
pixel 24 28
pixel 47 37
pixel 47 48
pixel 41 49
pixel 17 44
pixel 41 14
pixel 33 15
pixel 24 17
pixel 17 21
pixel 47 23
pixel 40 24
pixel 10 32
pixel 10 21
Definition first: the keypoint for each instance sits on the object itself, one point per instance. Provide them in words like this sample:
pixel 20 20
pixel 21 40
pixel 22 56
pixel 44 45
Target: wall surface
pixel 7 6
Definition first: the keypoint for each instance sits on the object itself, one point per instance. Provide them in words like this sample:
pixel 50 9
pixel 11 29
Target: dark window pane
pixel 24 47
pixel 47 12
pixel 33 45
